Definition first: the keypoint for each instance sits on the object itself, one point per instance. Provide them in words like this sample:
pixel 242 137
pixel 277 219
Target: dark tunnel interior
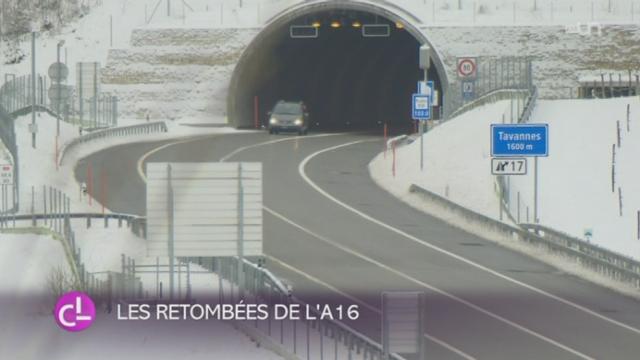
pixel 348 81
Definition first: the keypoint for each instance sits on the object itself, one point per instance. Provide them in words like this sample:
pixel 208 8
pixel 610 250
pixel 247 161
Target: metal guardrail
pixel 529 106
pixel 602 261
pixel 264 287
pixel 494 96
pixel 147 128
pixel 137 224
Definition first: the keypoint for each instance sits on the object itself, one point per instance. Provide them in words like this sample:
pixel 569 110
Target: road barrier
pixel 137 224
pixel 321 339
pixel 141 129
pixel 606 263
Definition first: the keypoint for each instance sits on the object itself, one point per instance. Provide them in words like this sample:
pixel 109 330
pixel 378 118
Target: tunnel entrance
pixel 348 81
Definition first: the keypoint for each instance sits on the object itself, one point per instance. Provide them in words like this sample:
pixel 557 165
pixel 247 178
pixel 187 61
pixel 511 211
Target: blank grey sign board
pixel 205 208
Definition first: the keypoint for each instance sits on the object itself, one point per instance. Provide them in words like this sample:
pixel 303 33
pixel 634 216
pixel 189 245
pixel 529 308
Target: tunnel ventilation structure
pixel 348 77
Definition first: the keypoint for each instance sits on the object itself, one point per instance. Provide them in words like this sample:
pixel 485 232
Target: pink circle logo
pixel 75 311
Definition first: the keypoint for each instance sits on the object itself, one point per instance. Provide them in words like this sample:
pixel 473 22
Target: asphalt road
pixel 332 233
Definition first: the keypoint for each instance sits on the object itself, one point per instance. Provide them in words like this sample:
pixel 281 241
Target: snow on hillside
pixel 575 180
pixel 457 158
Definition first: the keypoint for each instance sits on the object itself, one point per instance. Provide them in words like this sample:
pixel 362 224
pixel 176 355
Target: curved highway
pixel 332 233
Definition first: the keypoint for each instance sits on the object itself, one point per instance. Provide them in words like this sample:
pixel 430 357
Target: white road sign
pixel 509 166
pixel 206 209
pixel 6 174
pixel 467 67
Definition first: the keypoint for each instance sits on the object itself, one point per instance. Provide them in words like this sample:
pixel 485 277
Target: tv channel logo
pixel 75 311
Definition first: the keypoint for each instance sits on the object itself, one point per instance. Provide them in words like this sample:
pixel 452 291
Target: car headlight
pixel 298 122
pixel 273 121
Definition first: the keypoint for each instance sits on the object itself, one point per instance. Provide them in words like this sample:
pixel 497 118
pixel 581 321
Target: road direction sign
pixel 6 174
pixel 421 107
pixel 520 140
pixel 509 166
pixel 468 90
pixel 467 67
pixel 58 72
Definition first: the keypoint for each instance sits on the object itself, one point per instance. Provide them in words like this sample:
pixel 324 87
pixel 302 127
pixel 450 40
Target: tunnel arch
pixel 255 63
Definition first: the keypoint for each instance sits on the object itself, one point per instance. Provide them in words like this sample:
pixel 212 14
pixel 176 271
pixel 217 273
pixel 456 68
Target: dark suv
pixel 289 116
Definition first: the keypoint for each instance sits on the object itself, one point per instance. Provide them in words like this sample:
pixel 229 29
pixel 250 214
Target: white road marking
pixel 144 157
pixel 364 304
pixel 427 286
pixel 301 170
pixel 241 149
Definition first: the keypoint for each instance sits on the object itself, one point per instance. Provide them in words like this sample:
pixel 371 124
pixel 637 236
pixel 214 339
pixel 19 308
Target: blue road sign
pixel 468 90
pixel 421 107
pixel 520 140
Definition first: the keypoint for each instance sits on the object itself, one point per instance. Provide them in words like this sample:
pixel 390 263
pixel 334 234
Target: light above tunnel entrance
pixel 354 69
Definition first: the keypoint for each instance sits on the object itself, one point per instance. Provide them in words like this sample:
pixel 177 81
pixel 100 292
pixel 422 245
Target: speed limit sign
pixel 467 67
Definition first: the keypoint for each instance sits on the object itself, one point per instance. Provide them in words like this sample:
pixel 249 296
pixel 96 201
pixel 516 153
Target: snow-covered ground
pixel 29 331
pixel 575 180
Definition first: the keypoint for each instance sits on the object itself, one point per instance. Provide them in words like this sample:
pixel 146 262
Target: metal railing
pixel 137 224
pixel 493 75
pixel 147 128
pixel 104 287
pixel 617 266
pixel 607 263
pixel 530 104
pixel 323 339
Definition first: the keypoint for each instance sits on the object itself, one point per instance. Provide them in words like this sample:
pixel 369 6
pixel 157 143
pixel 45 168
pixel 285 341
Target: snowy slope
pixel 456 162
pixel 575 180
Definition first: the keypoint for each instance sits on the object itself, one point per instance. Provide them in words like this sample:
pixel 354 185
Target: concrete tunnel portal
pixel 348 81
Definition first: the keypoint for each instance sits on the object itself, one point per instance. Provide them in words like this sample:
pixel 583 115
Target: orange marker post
pixel 385 140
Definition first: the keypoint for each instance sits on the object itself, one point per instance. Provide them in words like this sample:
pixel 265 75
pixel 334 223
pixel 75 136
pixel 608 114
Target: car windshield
pixel 287 108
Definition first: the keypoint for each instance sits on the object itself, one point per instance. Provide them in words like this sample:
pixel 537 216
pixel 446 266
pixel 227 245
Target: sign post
pixel 422 103
pixel 171 232
pixel 421 111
